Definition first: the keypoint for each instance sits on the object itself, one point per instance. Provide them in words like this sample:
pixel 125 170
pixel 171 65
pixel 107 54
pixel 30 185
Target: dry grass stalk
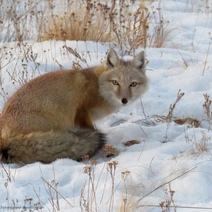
pixel 7 172
pixel 169 116
pixel 179 207
pixel 91 195
pixel 169 200
pixel 207 106
pixel 160 30
pixel 206 58
pixel 172 106
pixel 53 194
pixel 165 183
pixel 88 198
pixel 130 28
pixel 52 190
pixel 198 146
pixel 128 201
pixel 77 56
pixel 111 168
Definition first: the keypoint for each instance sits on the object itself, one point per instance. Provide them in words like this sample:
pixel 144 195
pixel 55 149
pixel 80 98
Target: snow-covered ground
pixel 172 164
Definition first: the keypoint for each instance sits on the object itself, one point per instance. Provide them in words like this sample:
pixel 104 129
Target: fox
pixel 52 116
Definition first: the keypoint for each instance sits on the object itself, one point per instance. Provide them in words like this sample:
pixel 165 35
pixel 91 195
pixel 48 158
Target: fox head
pixel 123 81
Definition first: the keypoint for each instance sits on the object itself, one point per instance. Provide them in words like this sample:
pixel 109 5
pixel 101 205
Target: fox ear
pixel 112 59
pixel 139 62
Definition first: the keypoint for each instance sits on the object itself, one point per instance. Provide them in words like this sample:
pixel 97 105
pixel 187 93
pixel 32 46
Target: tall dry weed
pixel 129 24
pixel 122 22
pixel 83 21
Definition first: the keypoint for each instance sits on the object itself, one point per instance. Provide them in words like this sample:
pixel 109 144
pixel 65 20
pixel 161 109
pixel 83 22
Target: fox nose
pixel 124 101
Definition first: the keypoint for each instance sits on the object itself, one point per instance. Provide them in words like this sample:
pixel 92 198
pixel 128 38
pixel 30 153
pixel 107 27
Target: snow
pixel 168 157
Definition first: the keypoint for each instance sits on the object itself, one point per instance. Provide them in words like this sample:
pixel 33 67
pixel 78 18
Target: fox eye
pixel 133 84
pixel 115 82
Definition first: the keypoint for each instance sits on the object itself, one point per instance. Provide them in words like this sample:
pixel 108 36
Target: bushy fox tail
pixel 49 146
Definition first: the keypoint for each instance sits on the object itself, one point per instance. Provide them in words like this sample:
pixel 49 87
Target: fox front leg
pixel 82 119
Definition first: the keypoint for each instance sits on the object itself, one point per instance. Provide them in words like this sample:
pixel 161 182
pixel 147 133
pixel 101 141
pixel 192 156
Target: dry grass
pixel 128 24
pixel 198 146
pixel 169 200
pixel 169 117
pixel 207 107
pixel 82 22
pixel 160 29
pixel 99 21
pixel 205 63
pixel 89 201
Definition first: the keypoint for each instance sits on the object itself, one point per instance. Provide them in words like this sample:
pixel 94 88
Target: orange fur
pixel 46 103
